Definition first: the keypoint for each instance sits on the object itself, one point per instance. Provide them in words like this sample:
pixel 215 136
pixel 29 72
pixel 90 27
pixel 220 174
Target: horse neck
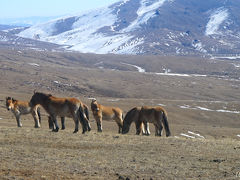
pixel 44 101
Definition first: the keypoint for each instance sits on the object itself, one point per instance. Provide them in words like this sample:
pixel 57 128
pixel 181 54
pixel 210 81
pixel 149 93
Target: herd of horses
pixel 79 112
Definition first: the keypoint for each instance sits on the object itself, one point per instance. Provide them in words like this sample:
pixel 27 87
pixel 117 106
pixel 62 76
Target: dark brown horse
pixel 156 115
pixel 62 107
pixel 133 116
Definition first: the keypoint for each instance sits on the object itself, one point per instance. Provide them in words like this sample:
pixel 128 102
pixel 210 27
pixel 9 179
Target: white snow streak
pixel 210 110
pixel 141 70
pixel 190 132
pixel 216 19
pixel 182 134
pixel 145 12
pixel 34 64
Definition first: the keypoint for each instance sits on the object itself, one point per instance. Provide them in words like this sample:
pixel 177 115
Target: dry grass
pixel 28 153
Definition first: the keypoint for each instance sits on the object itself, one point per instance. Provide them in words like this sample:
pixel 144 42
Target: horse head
pixel 9 103
pixel 94 105
pixel 131 116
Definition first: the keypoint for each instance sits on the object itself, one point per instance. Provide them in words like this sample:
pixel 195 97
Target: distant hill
pixel 175 27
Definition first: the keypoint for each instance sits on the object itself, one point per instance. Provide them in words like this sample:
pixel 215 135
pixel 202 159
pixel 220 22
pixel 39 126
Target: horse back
pixel 111 112
pixel 22 106
pixel 63 106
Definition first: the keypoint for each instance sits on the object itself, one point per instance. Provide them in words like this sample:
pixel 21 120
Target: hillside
pixel 173 27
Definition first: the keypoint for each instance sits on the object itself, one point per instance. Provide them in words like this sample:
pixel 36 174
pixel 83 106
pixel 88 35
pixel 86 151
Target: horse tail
pixel 165 123
pixel 86 111
pixel 39 114
pixel 82 118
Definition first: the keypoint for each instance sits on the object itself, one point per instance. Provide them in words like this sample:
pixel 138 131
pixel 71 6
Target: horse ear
pixel 34 91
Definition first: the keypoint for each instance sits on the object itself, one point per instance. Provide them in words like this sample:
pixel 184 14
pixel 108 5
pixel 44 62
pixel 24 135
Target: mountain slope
pixel 149 27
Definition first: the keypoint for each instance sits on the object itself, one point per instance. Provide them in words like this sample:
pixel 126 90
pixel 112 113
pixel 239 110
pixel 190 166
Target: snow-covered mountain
pixel 148 27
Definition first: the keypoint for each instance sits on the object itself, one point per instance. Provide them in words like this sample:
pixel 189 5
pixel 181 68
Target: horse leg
pixel 119 122
pixel 36 118
pixel 160 130
pixel 99 123
pixel 19 124
pixel 63 122
pixel 138 127
pixel 50 123
pixel 55 123
pixel 146 127
pixel 156 129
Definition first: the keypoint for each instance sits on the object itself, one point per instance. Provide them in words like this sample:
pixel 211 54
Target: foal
pixel 103 112
pixel 19 108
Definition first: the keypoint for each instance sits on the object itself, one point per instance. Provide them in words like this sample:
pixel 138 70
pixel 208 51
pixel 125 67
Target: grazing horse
pixel 133 116
pixel 51 124
pixel 156 115
pixel 19 108
pixel 103 112
pixel 63 107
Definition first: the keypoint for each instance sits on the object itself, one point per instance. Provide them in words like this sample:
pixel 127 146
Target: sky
pixel 28 8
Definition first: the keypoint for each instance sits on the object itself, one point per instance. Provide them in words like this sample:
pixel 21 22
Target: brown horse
pixel 103 112
pixel 133 116
pixel 156 115
pixel 19 108
pixel 63 107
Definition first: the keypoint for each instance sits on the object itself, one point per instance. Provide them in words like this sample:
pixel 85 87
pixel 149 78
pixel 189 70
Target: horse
pixel 51 124
pixel 133 116
pixel 19 108
pixel 156 115
pixel 103 112
pixel 63 107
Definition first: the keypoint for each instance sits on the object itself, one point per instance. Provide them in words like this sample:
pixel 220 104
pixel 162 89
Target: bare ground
pixel 208 106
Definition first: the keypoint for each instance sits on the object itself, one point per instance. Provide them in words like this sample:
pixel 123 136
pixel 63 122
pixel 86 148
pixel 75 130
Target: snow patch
pixel 161 104
pixel 216 19
pixel 226 57
pixel 141 70
pixel 210 110
pixel 34 64
pixel 58 82
pixel 196 134
pixel 182 134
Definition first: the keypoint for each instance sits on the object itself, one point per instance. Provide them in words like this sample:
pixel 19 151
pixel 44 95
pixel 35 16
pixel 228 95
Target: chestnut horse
pixel 133 116
pixel 103 112
pixel 63 107
pixel 156 115
pixel 19 108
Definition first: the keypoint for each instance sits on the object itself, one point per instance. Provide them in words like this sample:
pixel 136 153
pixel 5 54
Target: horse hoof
pixel 75 131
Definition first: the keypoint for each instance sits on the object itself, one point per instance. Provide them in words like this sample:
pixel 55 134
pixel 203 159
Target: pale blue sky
pixel 27 8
